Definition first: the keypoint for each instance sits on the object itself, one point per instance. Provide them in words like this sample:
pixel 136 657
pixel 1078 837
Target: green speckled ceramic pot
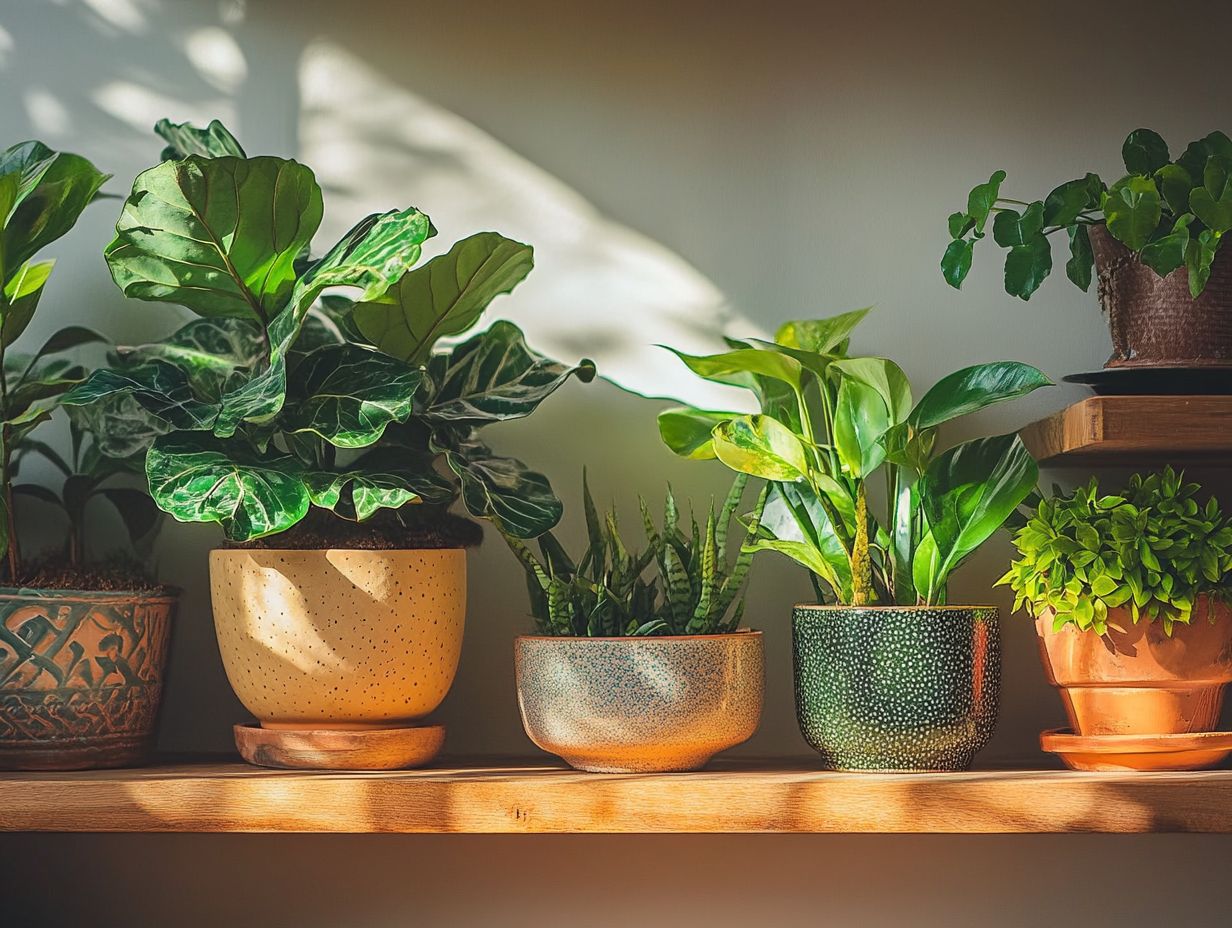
pixel 897 687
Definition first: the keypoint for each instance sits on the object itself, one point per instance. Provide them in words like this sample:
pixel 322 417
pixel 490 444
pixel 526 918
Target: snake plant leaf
pixel 218 235
pixel 821 336
pixel 52 191
pixel 968 492
pixel 383 479
pixel 1144 152
pixel 1081 259
pixel 956 261
pixel 738 367
pixel 444 297
pixel 495 376
pixel 519 501
pixel 973 388
pixel 184 139
pixel 760 446
pixel 21 297
pixel 884 376
pixel 348 394
pixel 1027 266
pixel 1132 209
pixel 687 431
pixel 160 387
pixel 194 477
pixel 861 419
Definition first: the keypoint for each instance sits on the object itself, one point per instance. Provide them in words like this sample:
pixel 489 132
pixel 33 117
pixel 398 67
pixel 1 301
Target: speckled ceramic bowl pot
pixel 339 639
pixel 897 688
pixel 81 676
pixel 640 705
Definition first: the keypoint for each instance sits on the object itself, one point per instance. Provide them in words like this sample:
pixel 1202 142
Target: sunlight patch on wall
pixel 123 15
pixel 140 107
pixel 46 114
pixel 600 289
pixel 6 46
pixel 217 58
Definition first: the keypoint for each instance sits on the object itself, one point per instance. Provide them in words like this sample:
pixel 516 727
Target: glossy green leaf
pixel 884 376
pixel 1011 228
pixel 736 367
pixel 495 376
pixel 161 388
pixel 1026 267
pixel 956 262
pixel 194 477
pixel 519 501
pixel 21 297
pixel 211 352
pixel 974 388
pixel 383 479
pixel 444 297
pixel 1212 202
pixel 687 431
pixel 121 427
pixel 1066 202
pixel 760 446
pixel 982 198
pixel 1132 209
pixel 1144 152
pixel 861 419
pixel 1165 254
pixel 1081 258
pixel 184 139
pixel 821 336
pixel 1175 183
pixel 218 235
pixel 1199 255
pixel 137 510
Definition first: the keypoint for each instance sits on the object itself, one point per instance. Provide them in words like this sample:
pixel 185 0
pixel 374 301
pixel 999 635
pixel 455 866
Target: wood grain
pixel 530 797
pixel 1131 429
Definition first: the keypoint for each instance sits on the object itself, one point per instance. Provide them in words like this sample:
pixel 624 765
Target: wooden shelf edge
pixel 1134 429
pixel 484 797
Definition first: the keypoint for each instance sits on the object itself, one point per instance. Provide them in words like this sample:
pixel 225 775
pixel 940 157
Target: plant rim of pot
pixel 881 607
pixel 163 593
pixel 738 633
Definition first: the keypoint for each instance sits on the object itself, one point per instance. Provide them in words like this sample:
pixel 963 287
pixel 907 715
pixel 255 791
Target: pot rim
pixel 75 595
pixel 738 633
pixel 327 550
pixel 947 608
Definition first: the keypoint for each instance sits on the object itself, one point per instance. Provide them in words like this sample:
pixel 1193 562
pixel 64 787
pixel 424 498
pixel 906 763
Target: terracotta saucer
pixel 332 749
pixel 1109 753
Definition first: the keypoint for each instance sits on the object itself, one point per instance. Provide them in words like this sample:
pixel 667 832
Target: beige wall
pixel 679 167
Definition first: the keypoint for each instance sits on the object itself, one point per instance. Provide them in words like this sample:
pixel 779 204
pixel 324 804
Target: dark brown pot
pixel 1154 321
pixel 81 675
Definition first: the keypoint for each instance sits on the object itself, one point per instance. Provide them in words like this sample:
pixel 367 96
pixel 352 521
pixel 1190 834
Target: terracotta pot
pixel 1153 320
pixel 1139 681
pixel 638 705
pixel 81 676
pixel 911 688
pixel 340 639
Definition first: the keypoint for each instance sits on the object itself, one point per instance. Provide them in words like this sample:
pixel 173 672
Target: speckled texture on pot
pixel 637 705
pixel 339 638
pixel 897 688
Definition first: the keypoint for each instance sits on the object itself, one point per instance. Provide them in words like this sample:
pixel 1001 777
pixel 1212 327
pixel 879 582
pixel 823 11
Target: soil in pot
pixel 415 527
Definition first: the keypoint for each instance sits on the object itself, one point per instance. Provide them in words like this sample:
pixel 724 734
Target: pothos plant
pixel 42 194
pixel 1170 213
pixel 1151 549
pixel 681 583
pixel 283 397
pixel 829 426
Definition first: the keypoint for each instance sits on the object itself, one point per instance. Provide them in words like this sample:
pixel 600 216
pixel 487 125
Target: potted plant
pixel 1130 592
pixel 888 673
pixel 82 646
pixel 327 437
pixel 640 663
pixel 1154 239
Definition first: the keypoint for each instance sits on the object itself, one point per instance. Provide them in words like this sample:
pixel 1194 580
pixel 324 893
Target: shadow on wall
pixel 601 289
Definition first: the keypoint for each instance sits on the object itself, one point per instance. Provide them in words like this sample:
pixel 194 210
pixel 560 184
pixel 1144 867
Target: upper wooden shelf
pixel 1132 429
pixel 531 797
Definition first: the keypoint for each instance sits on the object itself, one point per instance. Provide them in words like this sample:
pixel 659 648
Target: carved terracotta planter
pixel 81 676
pixel 342 638
pixel 1140 681
pixel 640 705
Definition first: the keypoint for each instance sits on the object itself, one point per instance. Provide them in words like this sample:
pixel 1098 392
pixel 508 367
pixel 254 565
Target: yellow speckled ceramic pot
pixel 638 705
pixel 339 639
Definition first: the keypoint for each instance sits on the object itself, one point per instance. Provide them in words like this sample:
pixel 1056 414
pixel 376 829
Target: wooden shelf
pixel 1135 429
pixel 532 797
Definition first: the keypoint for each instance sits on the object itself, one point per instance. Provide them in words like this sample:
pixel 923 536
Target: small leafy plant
pixel 42 194
pixel 284 395
pixel 678 584
pixel 1171 214
pixel 1152 549
pixel 831 424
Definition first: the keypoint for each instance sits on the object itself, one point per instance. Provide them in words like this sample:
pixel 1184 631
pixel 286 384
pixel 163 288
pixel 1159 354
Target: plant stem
pixel 861 560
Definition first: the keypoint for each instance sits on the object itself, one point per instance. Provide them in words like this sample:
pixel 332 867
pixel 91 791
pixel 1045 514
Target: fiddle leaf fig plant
pixel 1170 213
pixel 282 396
pixel 1152 549
pixel 829 425
pixel 681 583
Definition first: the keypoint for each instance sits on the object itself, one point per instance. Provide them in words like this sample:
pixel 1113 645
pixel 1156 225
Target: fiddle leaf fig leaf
pixel 1132 209
pixel 956 262
pixel 495 376
pixel 1144 152
pixel 519 501
pixel 382 479
pixel 121 427
pixel 348 394
pixel 218 235
pixel 760 446
pixel 1081 258
pixel 210 352
pixel 184 139
pixel 160 387
pixel 688 431
pixel 194 477
pixel 1027 266
pixel 444 297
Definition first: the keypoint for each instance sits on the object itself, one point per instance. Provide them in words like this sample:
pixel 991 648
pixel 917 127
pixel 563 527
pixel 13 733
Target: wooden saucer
pixel 1111 753
pixel 335 749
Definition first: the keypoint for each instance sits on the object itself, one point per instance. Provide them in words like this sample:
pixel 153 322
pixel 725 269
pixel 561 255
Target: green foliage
pixel 1172 214
pixel 681 583
pixel 1152 549
pixel 831 423
pixel 282 396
